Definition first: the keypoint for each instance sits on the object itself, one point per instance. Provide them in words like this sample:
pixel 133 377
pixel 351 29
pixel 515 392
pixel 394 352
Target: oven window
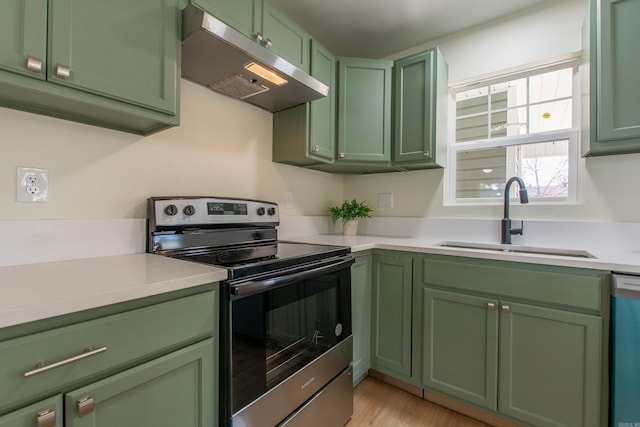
pixel 276 333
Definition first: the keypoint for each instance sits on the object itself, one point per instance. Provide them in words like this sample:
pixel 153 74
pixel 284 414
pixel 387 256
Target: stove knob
pixel 271 211
pixel 171 210
pixel 189 210
pixel 260 211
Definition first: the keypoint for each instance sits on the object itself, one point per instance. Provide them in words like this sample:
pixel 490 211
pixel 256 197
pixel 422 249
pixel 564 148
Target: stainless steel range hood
pixel 215 55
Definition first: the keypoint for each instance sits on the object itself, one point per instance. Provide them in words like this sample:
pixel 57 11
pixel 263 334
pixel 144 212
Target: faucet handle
pixel 518 230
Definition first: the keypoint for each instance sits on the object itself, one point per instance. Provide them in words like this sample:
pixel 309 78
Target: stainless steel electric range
pixel 286 345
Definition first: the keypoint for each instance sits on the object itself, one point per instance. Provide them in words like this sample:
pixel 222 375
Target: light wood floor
pixel 379 404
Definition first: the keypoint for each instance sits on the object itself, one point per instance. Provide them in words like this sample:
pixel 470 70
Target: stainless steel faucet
pixel 507 231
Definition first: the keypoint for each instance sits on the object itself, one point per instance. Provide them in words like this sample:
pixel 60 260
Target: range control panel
pixel 194 211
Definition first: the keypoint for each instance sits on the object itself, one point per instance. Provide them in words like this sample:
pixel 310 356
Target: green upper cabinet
pixel 391 320
pixel 305 134
pixel 285 38
pixel 113 64
pixel 23 37
pixel 364 110
pixel 243 15
pixel 613 33
pixel 125 51
pixel 420 111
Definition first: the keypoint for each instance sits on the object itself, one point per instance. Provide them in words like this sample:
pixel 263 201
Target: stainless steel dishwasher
pixel 625 346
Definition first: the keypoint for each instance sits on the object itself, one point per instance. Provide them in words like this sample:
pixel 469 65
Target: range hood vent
pixel 217 56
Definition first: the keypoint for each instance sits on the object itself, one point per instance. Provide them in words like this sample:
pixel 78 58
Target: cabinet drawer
pixel 563 286
pixel 129 338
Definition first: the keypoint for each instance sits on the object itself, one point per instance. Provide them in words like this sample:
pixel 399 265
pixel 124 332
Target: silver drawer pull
pixel 88 353
pixel 85 406
pixel 34 64
pixel 63 71
pixel 506 309
pixel 491 306
pixel 46 418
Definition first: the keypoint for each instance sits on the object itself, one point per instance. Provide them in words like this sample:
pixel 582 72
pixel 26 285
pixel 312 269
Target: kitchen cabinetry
pixel 361 316
pixel 106 64
pixel 391 320
pixel 364 110
pixel 525 341
pixel 305 134
pixel 612 58
pixel 46 413
pixel 420 110
pixel 142 366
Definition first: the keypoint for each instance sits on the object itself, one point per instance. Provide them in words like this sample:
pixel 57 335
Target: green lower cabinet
pixel 546 371
pixel 178 389
pixel 47 412
pixel 391 320
pixel 460 355
pixel 361 316
pixel 549 366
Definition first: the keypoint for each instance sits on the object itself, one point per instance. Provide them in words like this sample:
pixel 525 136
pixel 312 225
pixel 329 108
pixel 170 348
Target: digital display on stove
pixel 216 208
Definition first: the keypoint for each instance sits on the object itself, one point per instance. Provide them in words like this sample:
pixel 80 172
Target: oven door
pixel 290 336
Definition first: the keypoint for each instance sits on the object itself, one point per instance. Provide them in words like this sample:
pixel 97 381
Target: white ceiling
pixel 379 28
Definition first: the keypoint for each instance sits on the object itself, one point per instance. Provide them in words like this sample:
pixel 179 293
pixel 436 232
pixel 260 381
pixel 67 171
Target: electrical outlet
pixel 32 185
pixel 385 200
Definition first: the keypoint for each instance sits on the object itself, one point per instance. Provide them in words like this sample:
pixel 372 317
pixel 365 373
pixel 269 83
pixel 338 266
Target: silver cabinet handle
pixel 63 71
pixel 34 64
pixel 506 309
pixel 342 155
pixel 85 406
pixel 268 43
pixel 491 306
pixel 427 154
pixel 259 37
pixel 45 368
pixel 46 418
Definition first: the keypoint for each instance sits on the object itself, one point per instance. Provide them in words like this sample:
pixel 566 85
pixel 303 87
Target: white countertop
pixel 33 292
pixel 617 261
pixel 40 291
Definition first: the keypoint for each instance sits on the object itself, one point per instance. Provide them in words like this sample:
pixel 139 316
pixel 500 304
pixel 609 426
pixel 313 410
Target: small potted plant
pixel 349 213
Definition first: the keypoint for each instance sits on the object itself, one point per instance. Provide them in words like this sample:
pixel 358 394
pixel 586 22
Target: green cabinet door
pixel 460 354
pixel 323 111
pixel 550 366
pixel 48 410
pixel 305 135
pixel 243 15
pixel 178 389
pixel 420 110
pixel 23 37
pixel 118 49
pixel 615 66
pixel 391 320
pixel 285 38
pixel 361 316
pixel 364 110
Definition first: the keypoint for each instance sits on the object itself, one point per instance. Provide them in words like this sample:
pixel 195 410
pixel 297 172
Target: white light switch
pixel 385 200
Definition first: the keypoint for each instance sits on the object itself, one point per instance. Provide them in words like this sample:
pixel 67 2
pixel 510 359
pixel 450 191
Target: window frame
pixel 572 135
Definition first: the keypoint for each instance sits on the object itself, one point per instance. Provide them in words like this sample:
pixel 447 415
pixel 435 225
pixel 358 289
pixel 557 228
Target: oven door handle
pixel 258 286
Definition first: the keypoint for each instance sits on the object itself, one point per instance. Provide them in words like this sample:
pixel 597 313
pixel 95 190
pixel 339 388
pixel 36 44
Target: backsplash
pixel 34 241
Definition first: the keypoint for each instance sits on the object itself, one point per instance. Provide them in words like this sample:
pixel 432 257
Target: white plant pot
pixel 350 228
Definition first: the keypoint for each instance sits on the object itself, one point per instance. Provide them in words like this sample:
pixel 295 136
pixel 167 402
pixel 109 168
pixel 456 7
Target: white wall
pixel 222 147
pixel 547 31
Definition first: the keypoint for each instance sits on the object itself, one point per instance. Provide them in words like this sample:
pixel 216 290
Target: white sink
pixel 574 253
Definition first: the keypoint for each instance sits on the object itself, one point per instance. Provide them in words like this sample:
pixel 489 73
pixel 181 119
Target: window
pixel 523 124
